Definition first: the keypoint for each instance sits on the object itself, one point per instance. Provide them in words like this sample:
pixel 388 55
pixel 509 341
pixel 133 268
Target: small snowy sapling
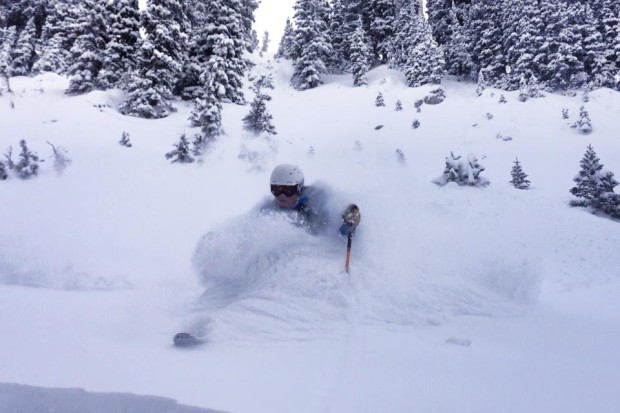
pixel 400 155
pixel 415 124
pixel 583 124
pixel 564 113
pixel 181 153
pixel 519 178
pixel 28 164
pixel 3 173
pixel 418 105
pixel 399 106
pixel 125 140
pixel 502 99
pixel 379 100
pixel 61 160
pixel 462 172
pixel 489 116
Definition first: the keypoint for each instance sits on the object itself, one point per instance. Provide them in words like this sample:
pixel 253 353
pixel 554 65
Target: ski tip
pixel 186 340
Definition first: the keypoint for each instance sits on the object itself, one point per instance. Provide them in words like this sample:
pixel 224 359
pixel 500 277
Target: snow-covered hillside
pixel 459 298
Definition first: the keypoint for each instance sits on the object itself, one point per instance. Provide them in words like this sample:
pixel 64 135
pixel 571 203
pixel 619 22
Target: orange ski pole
pixel 346 264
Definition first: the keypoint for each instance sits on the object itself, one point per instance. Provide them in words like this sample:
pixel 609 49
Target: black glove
pixel 351 219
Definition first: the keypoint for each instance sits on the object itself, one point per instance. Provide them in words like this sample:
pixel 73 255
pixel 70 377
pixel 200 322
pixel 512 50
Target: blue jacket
pixel 311 212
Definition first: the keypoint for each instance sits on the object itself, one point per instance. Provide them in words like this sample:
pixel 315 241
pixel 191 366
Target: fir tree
pixel 415 124
pixel 53 57
pixel 425 63
pixel 583 124
pixel 312 41
pixel 124 141
pixel 159 60
pixel 259 120
pixel 8 42
pixel 3 173
pixel 379 100
pixel 87 50
pixel 608 201
pixel 181 152
pixel 61 158
pixel 265 43
pixel 286 48
pixel 207 113
pixel 381 14
pixel 119 56
pixel 462 171
pixel 359 58
pixel 399 106
pixel 588 179
pixel 519 178
pixel 28 164
pixel 22 56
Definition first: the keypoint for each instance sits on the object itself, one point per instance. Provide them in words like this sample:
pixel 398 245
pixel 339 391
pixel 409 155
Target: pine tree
pixel 259 120
pixel 339 61
pixel 312 41
pixel 584 124
pixel 61 158
pixel 87 50
pixel 457 54
pixel 265 43
pixel 28 164
pixel 381 14
pixel 399 106
pixel 379 100
pixel 53 57
pixel 462 171
pixel 119 56
pixel 286 48
pixel 519 178
pixel 425 63
pixel 3 173
pixel 8 42
pixel 181 153
pixel 159 60
pixel 220 37
pixel 359 58
pixel 22 56
pixel 588 186
pixel 407 35
pixel 207 113
pixel 124 141
pixel 608 201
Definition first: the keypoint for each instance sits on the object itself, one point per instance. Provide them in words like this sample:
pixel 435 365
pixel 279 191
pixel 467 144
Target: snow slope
pixel 459 299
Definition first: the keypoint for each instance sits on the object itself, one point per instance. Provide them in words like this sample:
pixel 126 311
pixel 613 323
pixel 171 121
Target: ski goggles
pixel 286 190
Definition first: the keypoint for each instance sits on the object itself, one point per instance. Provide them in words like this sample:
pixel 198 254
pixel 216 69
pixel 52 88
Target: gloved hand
pixel 351 219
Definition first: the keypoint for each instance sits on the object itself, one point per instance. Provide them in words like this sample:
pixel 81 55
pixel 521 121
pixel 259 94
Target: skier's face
pixel 286 195
pixel 284 201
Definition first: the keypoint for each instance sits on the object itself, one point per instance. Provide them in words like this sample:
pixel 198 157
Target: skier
pixel 305 204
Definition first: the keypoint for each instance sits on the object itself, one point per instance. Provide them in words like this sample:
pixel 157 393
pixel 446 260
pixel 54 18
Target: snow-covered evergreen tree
pixel 312 41
pixel 381 15
pixel 6 46
pixel 462 171
pixel 608 201
pixel 28 164
pixel 359 57
pixel 588 179
pixel 125 141
pixel 519 178
pixel 583 124
pixel 207 112
pixel 119 56
pixel 220 37
pixel 61 158
pixel 399 106
pixel 407 35
pixel 456 51
pixel 87 56
pixel 265 43
pixel 3 172
pixel 379 100
pixel 425 62
pixel 159 61
pixel 22 55
pixel 259 120
pixel 181 152
pixel 53 57
pixel 286 49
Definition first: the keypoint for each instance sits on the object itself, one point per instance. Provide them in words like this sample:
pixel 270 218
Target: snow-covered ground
pixel 459 299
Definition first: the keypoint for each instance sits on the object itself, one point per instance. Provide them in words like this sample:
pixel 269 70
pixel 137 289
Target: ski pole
pixel 346 264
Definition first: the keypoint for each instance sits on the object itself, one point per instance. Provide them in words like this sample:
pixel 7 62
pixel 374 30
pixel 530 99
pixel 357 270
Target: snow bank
pixel 15 398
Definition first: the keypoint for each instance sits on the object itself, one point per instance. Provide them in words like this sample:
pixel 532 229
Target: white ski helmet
pixel 287 175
